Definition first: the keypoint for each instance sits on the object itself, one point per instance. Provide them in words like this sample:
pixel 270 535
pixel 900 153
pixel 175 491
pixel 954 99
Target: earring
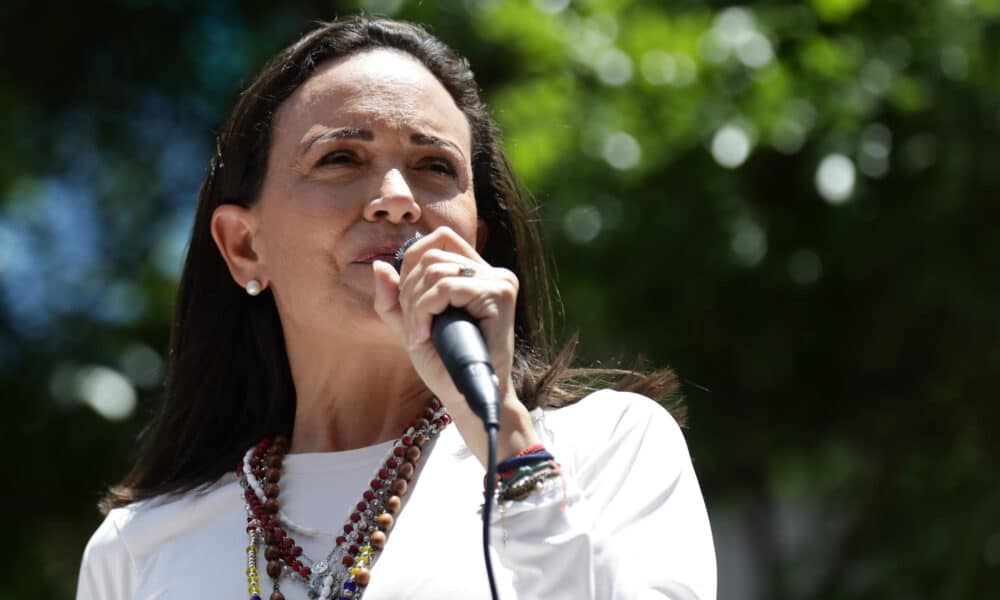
pixel 254 287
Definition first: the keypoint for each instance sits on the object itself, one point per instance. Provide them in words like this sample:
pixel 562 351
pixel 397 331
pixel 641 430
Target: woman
pixel 315 370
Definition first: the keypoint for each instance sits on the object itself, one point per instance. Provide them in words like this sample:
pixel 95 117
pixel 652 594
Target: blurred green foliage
pixel 792 203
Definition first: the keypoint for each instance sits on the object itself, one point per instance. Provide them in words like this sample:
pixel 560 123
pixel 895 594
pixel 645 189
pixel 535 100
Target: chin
pixel 360 314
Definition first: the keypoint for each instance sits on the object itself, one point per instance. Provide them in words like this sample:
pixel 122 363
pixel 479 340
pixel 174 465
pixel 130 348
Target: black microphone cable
pixel 459 342
pixel 489 491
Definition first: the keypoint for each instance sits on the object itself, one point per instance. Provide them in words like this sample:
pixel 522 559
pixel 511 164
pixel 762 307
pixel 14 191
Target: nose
pixel 394 201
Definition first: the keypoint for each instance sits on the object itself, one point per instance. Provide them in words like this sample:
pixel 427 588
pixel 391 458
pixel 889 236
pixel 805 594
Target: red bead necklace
pixel 346 570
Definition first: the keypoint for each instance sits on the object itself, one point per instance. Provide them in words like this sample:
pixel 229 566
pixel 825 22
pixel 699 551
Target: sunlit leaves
pixel 540 119
pixel 837 10
pixel 791 202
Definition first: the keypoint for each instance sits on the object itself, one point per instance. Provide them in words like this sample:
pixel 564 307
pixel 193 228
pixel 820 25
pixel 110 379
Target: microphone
pixel 459 343
pixel 457 339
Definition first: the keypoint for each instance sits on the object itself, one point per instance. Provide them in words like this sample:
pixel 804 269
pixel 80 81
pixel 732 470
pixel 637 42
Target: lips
pixel 386 252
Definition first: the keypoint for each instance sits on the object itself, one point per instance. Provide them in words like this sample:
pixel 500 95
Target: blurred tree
pixel 790 202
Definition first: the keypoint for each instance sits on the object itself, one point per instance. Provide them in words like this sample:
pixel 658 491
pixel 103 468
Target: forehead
pixel 374 89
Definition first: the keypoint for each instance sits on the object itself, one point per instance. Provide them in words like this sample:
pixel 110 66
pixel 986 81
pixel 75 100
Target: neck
pixel 349 397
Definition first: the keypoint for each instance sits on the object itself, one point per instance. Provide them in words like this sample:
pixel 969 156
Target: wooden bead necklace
pixel 345 572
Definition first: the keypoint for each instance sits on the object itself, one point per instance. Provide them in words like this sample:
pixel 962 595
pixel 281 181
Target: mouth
pixel 384 252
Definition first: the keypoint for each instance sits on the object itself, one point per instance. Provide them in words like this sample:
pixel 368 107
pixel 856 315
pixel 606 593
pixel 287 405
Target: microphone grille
pixel 397 260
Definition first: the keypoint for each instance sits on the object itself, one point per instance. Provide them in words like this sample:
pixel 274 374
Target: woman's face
pixel 369 150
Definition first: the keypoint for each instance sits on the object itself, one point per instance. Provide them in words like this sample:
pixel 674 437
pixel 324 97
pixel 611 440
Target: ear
pixel 233 229
pixel 482 234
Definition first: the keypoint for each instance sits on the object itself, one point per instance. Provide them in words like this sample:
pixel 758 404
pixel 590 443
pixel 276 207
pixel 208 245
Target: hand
pixel 428 283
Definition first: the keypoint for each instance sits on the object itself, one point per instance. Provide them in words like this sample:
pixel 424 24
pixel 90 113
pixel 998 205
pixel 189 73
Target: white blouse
pixel 629 523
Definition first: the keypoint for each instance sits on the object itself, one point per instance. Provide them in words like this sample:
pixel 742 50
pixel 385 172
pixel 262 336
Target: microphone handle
pixel 459 343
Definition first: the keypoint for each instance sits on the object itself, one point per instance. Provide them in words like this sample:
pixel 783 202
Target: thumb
pixel 386 302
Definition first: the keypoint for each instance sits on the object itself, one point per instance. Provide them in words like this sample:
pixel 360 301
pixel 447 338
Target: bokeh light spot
pixel 734 24
pixel 658 67
pixel 621 150
pixel 804 267
pixel 897 51
pixel 731 145
pixel 954 62
pixel 876 77
pixel 107 391
pixel 551 7
pixel 143 365
pixel 874 147
pixel 755 51
pixel 734 34
pixel 748 242
pixel 792 127
pixel 582 224
pixel 788 135
pixel 613 67
pixel 835 178
pixel 687 70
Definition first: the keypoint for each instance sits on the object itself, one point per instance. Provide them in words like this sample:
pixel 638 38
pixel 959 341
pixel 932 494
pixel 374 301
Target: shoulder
pixel 131 533
pixel 107 569
pixel 611 413
pixel 610 424
pixel 107 540
pixel 138 549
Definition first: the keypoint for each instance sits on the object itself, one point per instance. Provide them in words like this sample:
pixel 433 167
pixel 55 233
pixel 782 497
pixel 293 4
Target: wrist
pixel 516 429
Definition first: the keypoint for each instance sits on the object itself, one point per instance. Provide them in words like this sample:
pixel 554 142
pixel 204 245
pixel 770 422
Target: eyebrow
pixel 356 133
pixel 421 139
pixel 353 133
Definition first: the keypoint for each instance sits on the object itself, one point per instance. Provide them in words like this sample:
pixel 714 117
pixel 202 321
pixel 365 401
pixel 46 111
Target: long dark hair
pixel 229 381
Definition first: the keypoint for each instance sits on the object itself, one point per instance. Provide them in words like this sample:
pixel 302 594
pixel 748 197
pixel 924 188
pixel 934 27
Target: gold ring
pixel 466 271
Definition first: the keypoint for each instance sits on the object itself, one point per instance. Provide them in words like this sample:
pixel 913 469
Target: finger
pixel 413 286
pixel 386 302
pixel 429 273
pixel 442 239
pixel 447 276
pixel 483 299
pixel 435 264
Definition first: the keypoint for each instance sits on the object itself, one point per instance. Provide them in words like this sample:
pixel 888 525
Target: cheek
pixel 470 223
pixel 460 214
pixel 331 199
pixel 297 246
pixel 290 196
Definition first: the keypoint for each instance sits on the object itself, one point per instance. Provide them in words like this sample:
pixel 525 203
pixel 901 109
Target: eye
pixel 442 166
pixel 337 157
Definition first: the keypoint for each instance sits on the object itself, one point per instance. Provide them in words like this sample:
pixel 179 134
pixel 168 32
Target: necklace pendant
pixel 345 571
pixel 315 581
pixel 320 568
pixel 315 585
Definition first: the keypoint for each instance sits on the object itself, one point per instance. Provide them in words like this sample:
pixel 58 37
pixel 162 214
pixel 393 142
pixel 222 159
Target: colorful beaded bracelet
pixel 532 481
pixel 512 464
pixel 523 472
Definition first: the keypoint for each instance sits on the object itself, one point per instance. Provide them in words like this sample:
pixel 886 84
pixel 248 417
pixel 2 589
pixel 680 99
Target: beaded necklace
pixel 345 572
